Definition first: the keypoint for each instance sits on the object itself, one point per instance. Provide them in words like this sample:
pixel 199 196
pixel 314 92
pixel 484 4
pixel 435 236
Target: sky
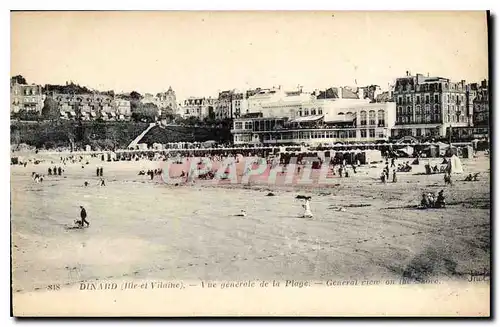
pixel 201 53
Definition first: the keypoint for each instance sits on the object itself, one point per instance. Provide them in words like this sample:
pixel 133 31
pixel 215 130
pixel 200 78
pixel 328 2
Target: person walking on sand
pixel 307 209
pixel 394 177
pixel 83 216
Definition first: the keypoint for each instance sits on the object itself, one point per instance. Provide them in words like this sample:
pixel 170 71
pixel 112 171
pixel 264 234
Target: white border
pixel 180 5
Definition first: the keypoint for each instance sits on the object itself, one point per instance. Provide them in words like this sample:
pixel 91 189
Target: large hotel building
pixel 339 115
pixel 429 106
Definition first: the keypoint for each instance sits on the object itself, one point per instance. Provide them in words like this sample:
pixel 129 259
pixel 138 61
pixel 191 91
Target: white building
pixel 318 121
pixel 199 107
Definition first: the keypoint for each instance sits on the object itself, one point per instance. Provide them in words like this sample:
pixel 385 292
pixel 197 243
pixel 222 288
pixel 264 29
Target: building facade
pixel 92 106
pixel 322 121
pixel 26 97
pixel 200 108
pixel 426 107
pixel 224 107
pixel 480 103
pixel 239 104
pixel 167 101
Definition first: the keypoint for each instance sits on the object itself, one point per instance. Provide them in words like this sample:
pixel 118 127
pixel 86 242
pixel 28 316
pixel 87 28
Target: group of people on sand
pixel 384 176
pixel 37 178
pixel 83 218
pixel 55 171
pixel 99 171
pixel 430 200
pixel 151 173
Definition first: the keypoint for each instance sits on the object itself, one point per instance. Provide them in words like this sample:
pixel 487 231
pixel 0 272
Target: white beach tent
pixel 455 165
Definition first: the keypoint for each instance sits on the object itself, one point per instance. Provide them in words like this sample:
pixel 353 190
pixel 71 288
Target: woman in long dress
pixel 307 209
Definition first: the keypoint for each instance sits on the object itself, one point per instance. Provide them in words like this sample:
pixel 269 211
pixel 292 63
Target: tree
pixel 19 79
pixel 135 95
pixel 50 109
pixel 28 115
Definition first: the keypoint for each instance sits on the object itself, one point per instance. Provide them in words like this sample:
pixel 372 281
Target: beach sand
pixel 143 229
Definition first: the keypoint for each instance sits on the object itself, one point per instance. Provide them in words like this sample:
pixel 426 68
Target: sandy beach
pixel 145 229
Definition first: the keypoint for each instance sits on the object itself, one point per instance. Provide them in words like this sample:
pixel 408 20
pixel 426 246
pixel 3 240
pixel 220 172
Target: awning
pixel 72 113
pixel 113 114
pixel 93 114
pixel 307 119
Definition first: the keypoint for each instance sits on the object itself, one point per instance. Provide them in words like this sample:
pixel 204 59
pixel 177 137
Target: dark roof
pixel 349 94
pixel 331 93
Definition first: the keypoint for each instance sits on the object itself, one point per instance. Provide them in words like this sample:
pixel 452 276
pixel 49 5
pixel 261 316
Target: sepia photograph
pixel 250 163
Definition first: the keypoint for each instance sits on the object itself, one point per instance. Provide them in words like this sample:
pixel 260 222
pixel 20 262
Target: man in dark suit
pixel 83 215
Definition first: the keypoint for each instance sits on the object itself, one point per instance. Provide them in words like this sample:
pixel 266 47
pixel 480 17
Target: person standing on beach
pixel 100 171
pixel 97 171
pixel 59 171
pixel 394 178
pixel 83 216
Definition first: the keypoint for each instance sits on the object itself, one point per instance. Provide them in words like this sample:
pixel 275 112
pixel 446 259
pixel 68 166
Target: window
pixel 418 99
pixel 400 100
pixel 300 113
pixel 417 110
pixel 418 132
pixel 320 111
pixel 363 118
pixel 363 133
pixel 372 117
pixel 400 110
pixel 408 110
pixel 313 111
pixel 426 99
pixel 427 109
pixel 436 98
pixel 372 133
pixel 238 125
pixel 381 118
pixel 306 112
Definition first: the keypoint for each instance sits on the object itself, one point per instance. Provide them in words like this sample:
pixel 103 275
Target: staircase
pixel 136 141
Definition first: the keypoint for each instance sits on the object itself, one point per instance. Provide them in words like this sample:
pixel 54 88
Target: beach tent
pixel 408 150
pixel 455 165
pixel 371 156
